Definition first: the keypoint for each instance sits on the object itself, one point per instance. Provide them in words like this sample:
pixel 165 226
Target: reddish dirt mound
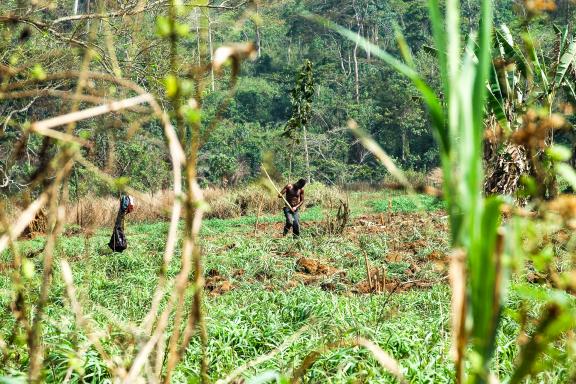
pixel 415 246
pixel 363 287
pixel 394 257
pixel 314 267
pixel 537 278
pixel 217 284
pixel 310 271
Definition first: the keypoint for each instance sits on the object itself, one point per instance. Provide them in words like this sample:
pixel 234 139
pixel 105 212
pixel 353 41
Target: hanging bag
pixel 118 242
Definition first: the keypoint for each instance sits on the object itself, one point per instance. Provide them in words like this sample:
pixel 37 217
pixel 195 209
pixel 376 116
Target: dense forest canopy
pixel 128 39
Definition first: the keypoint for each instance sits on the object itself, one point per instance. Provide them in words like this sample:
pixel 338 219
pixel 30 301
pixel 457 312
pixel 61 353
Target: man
pixel 294 197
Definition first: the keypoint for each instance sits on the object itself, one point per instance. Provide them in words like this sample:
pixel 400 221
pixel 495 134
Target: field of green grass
pixel 260 292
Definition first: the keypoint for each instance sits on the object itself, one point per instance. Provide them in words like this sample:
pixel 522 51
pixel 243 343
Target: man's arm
pixel 283 191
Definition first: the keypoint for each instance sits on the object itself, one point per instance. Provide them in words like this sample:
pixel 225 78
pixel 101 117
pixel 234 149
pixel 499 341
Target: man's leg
pixel 288 224
pixel 296 224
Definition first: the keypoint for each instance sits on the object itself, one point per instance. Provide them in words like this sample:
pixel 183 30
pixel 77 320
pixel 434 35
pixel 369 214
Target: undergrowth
pixel 268 300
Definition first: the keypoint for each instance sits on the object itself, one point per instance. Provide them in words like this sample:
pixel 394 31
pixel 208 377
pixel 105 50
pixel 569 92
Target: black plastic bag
pixel 118 241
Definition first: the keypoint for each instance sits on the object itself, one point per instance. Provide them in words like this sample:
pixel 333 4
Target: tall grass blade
pixel 440 40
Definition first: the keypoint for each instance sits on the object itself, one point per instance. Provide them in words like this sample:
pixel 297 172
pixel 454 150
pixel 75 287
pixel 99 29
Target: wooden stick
pixel 277 190
pixel 258 216
pixel 368 270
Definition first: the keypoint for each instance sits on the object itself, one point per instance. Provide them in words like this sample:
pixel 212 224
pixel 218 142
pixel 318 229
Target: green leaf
pixel 162 26
pixel 28 269
pixel 567 173
pixel 182 30
pixel 193 115
pixel 558 153
pixel 171 84
pixel 404 48
pixel 38 73
pixel 121 182
pixel 533 55
pixel 570 88
pixel 496 106
pixel 440 40
pixel 567 58
pixel 504 37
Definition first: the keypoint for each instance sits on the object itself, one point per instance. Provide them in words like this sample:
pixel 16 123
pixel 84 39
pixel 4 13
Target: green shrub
pixel 408 203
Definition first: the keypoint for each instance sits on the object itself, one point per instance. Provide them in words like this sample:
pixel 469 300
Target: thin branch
pixel 25 109
pixel 136 10
pixel 44 125
pixel 36 93
pixel 42 27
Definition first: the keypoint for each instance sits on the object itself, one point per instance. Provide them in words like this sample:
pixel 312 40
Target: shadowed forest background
pixel 349 83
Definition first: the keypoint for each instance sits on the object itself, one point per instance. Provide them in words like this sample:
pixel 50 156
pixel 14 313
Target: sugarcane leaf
pixel 440 39
pixel 512 52
pixel 567 58
pixel 498 110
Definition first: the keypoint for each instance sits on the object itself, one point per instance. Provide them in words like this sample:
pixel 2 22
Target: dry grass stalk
pixel 258 216
pixel 55 224
pixel 457 275
pixel 23 221
pixel 385 360
pixel 369 277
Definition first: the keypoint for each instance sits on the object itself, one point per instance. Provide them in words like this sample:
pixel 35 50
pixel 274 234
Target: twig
pixel 134 11
pixel 25 109
pixel 258 216
pixel 457 273
pixel 367 269
pixel 81 320
pixel 42 126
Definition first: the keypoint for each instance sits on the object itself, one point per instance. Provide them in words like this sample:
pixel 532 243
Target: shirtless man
pixel 294 196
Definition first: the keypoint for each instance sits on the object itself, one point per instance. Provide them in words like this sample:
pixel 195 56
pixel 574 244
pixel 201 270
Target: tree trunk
pixel 213 82
pixel 198 42
pixel 356 77
pixel 405 146
pixel 290 160
pixel 306 153
pixel 258 41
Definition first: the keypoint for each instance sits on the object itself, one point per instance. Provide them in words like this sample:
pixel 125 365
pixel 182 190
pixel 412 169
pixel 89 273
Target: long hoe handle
pixel 276 188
